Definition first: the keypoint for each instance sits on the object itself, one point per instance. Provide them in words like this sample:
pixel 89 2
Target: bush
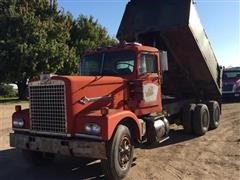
pixel 7 90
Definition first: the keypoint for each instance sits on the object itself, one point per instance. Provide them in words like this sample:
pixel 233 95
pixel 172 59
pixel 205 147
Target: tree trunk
pixel 22 90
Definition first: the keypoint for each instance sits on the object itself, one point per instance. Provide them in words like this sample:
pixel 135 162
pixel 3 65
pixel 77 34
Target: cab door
pixel 149 75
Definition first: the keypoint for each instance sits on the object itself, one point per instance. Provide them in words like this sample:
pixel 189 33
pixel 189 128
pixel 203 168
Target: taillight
pixel 104 111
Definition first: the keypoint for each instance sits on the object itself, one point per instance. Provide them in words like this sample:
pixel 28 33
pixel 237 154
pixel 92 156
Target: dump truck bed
pixel 174 26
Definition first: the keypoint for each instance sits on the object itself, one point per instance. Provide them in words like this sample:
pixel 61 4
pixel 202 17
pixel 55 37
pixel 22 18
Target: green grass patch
pixel 11 100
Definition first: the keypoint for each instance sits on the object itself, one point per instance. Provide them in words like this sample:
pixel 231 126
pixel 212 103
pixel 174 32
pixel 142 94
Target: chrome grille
pixel 47 107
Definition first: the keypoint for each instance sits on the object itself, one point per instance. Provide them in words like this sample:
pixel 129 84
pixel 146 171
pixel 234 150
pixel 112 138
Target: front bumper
pixel 71 147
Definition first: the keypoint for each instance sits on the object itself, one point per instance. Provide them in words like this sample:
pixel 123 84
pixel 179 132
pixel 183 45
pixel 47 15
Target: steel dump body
pixel 174 26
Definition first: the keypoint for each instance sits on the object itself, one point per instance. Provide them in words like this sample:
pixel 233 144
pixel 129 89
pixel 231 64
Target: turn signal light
pixel 104 111
pixel 18 108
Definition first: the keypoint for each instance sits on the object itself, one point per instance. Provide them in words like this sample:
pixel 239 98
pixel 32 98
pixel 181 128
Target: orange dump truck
pixel 127 94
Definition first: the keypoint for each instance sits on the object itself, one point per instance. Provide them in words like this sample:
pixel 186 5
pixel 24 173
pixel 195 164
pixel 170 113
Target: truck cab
pixel 231 83
pixel 138 65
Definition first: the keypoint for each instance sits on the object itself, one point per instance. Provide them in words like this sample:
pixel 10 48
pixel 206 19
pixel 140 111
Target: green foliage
pixel 33 39
pixel 7 91
pixel 87 34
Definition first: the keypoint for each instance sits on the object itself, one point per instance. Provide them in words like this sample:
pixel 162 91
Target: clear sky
pixel 220 18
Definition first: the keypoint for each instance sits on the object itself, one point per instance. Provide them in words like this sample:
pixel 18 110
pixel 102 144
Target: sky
pixel 220 18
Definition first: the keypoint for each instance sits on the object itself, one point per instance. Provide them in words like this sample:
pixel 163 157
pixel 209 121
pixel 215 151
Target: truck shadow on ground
pixel 175 137
pixel 13 167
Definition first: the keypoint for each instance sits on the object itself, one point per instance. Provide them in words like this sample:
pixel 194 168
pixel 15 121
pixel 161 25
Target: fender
pixel 24 114
pixel 117 117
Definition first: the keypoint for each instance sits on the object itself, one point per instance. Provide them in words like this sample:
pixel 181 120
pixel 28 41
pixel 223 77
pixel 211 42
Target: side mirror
pixel 164 61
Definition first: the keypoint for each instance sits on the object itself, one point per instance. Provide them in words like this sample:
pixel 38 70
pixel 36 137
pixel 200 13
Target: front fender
pixel 23 114
pixel 118 117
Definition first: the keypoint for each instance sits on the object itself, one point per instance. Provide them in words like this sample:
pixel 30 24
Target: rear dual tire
pixel 199 118
pixel 214 111
pixel 187 118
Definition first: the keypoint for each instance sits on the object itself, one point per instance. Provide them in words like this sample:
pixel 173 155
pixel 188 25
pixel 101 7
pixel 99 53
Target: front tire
pixel 201 119
pixel 119 154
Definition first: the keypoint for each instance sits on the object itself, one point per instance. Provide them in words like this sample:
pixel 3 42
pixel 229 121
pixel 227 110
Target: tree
pixel 34 39
pixel 7 90
pixel 87 35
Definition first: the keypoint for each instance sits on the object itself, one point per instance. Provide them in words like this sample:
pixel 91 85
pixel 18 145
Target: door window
pixel 148 63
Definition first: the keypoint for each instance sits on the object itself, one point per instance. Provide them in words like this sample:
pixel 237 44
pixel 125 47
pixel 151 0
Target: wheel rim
pixel 124 152
pixel 216 115
pixel 205 120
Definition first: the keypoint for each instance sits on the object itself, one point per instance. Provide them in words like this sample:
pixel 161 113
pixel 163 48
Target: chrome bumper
pixel 76 147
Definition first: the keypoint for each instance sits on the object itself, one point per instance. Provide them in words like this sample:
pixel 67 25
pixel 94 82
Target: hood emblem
pixel 45 78
pixel 86 100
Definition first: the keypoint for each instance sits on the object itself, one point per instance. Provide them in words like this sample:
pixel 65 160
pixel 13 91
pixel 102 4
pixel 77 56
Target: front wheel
pixel 119 154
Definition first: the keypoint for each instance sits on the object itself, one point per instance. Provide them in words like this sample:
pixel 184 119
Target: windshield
pixel 231 74
pixel 108 64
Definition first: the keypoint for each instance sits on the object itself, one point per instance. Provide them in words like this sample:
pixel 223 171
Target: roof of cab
pixel 124 46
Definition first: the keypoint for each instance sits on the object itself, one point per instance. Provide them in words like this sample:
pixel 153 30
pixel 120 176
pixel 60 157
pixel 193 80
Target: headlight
pixel 92 128
pixel 18 123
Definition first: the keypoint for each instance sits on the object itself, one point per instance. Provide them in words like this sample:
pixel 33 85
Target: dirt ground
pixel 213 156
pixel 6 110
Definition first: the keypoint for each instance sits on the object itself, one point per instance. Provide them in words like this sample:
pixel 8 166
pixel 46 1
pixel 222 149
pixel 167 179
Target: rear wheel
pixel 119 154
pixel 37 158
pixel 201 119
pixel 187 117
pixel 214 112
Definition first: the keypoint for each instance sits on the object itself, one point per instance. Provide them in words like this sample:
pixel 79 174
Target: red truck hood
pixel 80 87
